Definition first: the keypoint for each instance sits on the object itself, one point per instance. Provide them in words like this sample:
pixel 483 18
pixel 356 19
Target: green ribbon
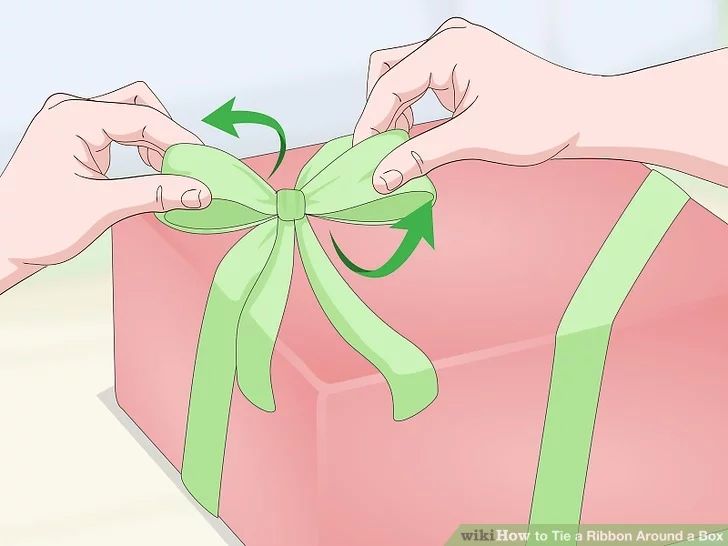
pixel 250 288
pixel 582 341
pixel 583 337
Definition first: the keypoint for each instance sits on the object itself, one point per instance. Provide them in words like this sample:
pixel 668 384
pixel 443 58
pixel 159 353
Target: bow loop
pixel 240 198
pixel 340 184
pixel 330 151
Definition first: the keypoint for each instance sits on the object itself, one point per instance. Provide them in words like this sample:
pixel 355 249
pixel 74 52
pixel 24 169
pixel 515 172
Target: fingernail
pixel 192 199
pixel 392 179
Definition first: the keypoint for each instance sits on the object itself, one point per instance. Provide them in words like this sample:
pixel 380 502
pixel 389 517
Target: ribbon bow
pixel 250 288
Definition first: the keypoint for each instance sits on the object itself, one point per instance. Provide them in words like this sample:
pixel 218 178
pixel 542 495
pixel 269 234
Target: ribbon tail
pixel 409 373
pixel 214 372
pixel 261 319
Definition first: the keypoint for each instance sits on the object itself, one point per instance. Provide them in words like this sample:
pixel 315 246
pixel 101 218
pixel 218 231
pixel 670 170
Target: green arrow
pixel 418 225
pixel 225 119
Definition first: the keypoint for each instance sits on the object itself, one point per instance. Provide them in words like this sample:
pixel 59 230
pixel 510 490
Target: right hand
pixel 509 106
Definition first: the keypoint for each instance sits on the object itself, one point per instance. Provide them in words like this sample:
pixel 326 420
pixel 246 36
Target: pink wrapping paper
pixel 331 467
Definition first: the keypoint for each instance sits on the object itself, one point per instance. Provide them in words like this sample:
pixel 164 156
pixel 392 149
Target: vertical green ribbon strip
pixel 250 288
pixel 582 341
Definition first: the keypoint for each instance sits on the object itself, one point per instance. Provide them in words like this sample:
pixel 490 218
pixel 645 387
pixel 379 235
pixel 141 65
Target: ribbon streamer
pixel 250 288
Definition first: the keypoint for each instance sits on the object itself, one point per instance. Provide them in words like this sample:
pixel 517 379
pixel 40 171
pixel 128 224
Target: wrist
pixel 671 115
pixel 604 118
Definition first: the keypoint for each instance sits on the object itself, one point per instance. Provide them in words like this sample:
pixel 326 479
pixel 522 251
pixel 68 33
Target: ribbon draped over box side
pixel 250 288
pixel 582 340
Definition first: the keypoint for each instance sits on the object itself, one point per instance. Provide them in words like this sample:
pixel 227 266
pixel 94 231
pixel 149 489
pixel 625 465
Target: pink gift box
pixel 330 466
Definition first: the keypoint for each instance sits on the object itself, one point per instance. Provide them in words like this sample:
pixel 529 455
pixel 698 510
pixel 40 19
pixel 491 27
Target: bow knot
pixel 290 205
pixel 249 292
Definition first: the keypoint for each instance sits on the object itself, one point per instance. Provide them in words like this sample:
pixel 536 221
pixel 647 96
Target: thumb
pixel 123 197
pixel 421 154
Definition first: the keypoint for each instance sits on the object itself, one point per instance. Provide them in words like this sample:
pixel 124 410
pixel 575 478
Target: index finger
pixel 134 93
pixel 138 92
pixel 383 60
pixel 399 88
pixel 132 125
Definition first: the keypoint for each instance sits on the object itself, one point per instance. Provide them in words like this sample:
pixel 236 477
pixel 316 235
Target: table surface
pixel 74 469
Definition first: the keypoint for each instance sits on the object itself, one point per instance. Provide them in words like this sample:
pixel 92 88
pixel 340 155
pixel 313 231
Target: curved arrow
pixel 419 226
pixel 225 118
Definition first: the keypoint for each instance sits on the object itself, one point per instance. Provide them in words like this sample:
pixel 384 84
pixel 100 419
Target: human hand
pixel 55 198
pixel 509 106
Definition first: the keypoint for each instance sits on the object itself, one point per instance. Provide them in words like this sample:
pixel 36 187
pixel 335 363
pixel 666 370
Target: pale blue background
pixel 303 62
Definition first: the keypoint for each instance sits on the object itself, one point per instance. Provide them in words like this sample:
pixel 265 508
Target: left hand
pixel 55 197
